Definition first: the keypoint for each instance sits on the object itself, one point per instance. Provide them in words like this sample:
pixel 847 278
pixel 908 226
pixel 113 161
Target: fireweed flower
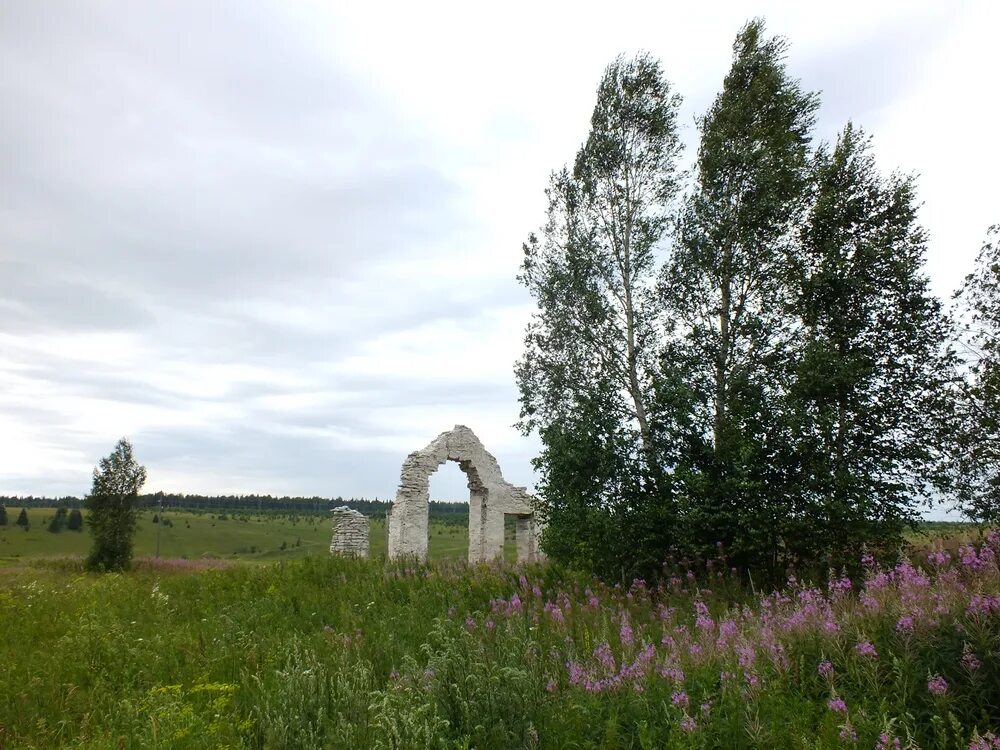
pixel 867 649
pixel 937 685
pixel 905 624
pixel 837 705
pixel 825 668
pixel 688 724
pixel 625 632
pixel 969 660
pixel 680 698
pixel 847 734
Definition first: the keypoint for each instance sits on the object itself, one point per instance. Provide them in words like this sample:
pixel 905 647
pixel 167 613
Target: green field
pixel 221 534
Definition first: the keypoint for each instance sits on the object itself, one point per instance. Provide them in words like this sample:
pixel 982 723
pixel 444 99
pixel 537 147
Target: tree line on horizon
pixel 373 508
pixel 747 356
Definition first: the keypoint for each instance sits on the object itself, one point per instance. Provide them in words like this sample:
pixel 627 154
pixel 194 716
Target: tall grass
pixel 343 653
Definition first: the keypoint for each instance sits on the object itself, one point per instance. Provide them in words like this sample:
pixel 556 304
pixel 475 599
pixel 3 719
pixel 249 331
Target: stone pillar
pixel 350 532
pixel 492 539
pixel 525 538
pixel 476 503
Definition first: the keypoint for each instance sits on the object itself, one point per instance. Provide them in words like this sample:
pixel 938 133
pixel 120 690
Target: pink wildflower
pixel 680 698
pixel 688 724
pixel 867 649
pixel 825 668
pixel 969 660
pixel 837 705
pixel 937 685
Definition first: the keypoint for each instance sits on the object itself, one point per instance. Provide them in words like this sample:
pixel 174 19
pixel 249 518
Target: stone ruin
pixel 350 532
pixel 490 499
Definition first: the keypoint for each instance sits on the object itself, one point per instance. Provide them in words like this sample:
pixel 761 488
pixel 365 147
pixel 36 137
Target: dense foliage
pixel 111 508
pixel 335 653
pixel 978 454
pixel 757 363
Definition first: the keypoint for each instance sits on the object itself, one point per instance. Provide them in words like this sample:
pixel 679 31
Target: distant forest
pixel 445 511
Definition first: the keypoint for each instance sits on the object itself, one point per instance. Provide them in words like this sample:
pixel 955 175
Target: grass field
pixel 328 652
pixel 222 534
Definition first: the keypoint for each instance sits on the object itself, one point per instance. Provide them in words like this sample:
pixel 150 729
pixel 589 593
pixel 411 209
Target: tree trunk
pixel 722 358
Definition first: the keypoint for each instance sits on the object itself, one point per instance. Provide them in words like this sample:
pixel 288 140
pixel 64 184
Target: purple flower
pixel 575 673
pixel 837 705
pixel 551 686
pixel 625 632
pixel 688 724
pixel 937 685
pixel 605 657
pixel 981 606
pixel 905 624
pixel 680 698
pixel 825 668
pixel 847 734
pixel 866 648
pixel 883 743
pixel 988 741
pixel 969 660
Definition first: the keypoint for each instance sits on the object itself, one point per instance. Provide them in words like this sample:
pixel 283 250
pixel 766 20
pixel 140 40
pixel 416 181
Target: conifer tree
pixel 3 514
pixel 75 522
pixel 22 519
pixel 58 521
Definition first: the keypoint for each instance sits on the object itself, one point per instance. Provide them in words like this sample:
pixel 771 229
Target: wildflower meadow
pixel 327 652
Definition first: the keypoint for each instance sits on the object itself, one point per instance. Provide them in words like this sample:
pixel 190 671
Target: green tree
pixel 58 522
pixel 22 518
pixel 3 514
pixel 728 300
pixel 586 379
pixel 75 522
pixel 978 452
pixel 111 507
pixel 871 402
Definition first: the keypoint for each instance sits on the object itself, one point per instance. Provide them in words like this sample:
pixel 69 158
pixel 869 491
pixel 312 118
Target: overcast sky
pixel 274 244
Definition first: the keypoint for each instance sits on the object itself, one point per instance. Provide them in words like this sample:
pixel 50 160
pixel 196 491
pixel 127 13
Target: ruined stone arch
pixel 490 499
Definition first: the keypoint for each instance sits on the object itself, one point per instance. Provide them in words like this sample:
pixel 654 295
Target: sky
pixel 275 244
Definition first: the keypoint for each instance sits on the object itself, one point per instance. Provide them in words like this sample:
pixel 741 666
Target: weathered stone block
pixel 350 532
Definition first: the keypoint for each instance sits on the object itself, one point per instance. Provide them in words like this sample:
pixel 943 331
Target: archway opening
pixel 448 527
